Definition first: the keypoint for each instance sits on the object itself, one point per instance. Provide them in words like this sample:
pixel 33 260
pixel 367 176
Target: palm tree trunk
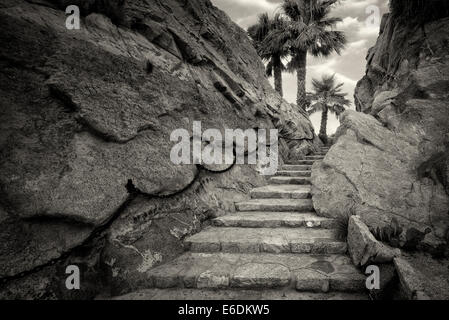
pixel 323 129
pixel 277 70
pixel 301 100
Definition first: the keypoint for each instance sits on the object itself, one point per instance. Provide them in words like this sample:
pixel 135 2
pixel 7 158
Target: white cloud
pixel 246 22
pixel 348 22
pixel 357 44
pixel 245 12
pixel 359 4
pixel 262 3
pixel 369 30
pixel 358 29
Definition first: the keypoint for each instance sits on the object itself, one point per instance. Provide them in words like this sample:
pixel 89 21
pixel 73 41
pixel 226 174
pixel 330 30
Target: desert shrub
pixel 342 223
pixel 389 234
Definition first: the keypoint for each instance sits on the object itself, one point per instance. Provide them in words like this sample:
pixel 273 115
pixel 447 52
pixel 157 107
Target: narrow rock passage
pixel 275 242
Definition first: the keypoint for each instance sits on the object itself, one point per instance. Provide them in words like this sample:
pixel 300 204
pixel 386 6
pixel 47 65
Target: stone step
pixel 283 191
pixel 314 157
pixel 290 180
pixel 285 173
pixel 258 271
pixel 236 294
pixel 316 281
pixel 300 205
pixel 296 167
pixel 274 220
pixel 300 162
pixel 270 240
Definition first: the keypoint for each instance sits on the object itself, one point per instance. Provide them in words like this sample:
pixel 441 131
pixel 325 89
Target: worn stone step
pixel 254 271
pixel 314 157
pixel 284 191
pixel 300 205
pixel 290 180
pixel 296 167
pixel 253 219
pixel 236 294
pixel 317 281
pixel 271 240
pixel 285 173
pixel 300 162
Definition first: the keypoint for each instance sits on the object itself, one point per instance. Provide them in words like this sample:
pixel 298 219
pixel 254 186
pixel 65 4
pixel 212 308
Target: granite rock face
pixel 411 281
pixel 86 117
pixel 364 248
pixel 389 164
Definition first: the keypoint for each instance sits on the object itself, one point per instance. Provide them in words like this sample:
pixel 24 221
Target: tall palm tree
pixel 327 97
pixel 272 54
pixel 309 30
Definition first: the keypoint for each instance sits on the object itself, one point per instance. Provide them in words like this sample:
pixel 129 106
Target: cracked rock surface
pixel 86 117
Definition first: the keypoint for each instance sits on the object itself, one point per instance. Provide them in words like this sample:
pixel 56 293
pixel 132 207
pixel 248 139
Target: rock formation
pixel 390 163
pixel 364 248
pixel 86 117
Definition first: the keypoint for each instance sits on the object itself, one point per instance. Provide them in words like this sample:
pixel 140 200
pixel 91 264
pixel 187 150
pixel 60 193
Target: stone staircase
pixel 274 242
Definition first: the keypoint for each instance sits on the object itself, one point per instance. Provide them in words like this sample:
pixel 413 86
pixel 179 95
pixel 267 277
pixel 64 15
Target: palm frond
pixel 338 88
pixel 294 62
pixel 268 36
pixel 309 27
pixel 322 9
pixel 328 42
pixel 316 107
pixel 329 22
pixel 293 9
pixel 327 94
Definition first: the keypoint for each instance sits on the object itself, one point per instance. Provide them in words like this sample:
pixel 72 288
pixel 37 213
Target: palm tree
pixel 309 30
pixel 270 54
pixel 327 97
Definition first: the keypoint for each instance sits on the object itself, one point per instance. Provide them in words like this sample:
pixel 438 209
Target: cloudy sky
pixel 361 31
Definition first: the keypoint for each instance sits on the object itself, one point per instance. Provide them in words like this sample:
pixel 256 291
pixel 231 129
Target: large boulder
pixel 364 248
pixel 389 164
pixel 411 281
pixel 86 117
